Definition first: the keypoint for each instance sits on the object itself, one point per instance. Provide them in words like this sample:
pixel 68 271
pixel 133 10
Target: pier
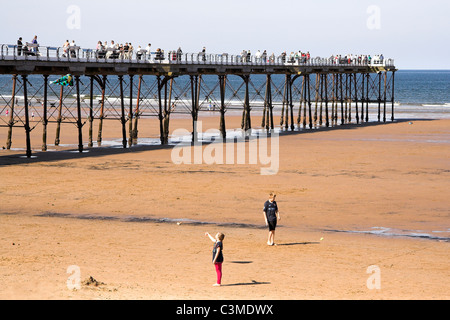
pixel 308 93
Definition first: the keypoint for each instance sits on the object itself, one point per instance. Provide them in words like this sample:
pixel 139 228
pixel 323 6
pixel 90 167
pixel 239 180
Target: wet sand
pixel 102 211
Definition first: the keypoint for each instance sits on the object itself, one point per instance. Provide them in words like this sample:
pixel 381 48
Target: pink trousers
pixel 219 272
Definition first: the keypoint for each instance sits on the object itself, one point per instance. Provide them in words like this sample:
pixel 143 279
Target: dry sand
pixel 99 211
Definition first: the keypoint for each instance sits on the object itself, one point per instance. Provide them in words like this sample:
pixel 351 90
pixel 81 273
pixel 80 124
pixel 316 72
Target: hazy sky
pixel 415 33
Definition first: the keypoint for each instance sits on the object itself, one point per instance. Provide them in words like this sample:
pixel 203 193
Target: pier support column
pixel 362 98
pixel 136 116
pixel 321 100
pixel 327 120
pixel 167 110
pixel 287 100
pixel 379 96
pixel 269 122
pixel 305 100
pixel 122 115
pixel 27 115
pixel 333 98
pixel 392 98
pixel 11 115
pixel 349 96
pixel 291 103
pixel 299 118
pixel 195 105
pixel 102 112
pixel 367 97
pixel 59 118
pixel 79 124
pixel 44 115
pixel 316 100
pixel 222 86
pixel 246 118
pixel 355 81
pixel 91 113
pixel 308 85
pixel 283 107
pixel 160 108
pixel 130 114
pixel 342 99
pixel 384 98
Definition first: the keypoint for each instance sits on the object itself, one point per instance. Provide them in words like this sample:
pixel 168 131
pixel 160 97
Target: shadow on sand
pixel 254 282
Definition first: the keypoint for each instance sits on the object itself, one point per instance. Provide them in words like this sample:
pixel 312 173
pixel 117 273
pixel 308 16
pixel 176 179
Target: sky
pixel 416 34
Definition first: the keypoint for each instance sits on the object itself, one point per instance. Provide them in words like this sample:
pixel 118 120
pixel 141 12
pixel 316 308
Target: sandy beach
pixel 351 198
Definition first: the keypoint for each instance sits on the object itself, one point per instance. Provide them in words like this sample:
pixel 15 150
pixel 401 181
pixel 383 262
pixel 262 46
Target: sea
pixel 419 94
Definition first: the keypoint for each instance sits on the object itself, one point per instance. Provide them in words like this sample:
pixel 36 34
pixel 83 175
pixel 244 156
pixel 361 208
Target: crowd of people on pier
pixel 360 59
pixel 113 50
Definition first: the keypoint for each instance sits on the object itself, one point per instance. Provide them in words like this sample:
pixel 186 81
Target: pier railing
pixel 78 54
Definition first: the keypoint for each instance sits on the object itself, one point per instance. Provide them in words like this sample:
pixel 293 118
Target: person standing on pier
pixel 149 51
pixel 19 46
pixel 271 215
pixel 35 42
pixel 204 54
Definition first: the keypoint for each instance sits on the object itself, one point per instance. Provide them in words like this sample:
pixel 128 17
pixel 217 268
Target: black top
pixel 271 209
pixel 218 244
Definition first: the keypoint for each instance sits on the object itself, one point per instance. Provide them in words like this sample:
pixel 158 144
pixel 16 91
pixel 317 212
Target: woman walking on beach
pixel 217 255
pixel 271 215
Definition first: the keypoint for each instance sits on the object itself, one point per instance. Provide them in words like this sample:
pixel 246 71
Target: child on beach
pixel 217 255
pixel 271 215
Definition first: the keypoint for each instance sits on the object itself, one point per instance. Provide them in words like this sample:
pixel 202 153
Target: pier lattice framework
pixel 305 95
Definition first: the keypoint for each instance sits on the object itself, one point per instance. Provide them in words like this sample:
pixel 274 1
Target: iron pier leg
pixel 342 100
pixel 327 120
pixel 44 116
pixel 291 104
pixel 321 99
pixel 356 97
pixel 305 92
pixel 160 116
pixel 79 124
pixel 91 113
pixel 11 115
pixel 27 116
pixel 136 116
pixel 384 98
pixel 309 102
pixel 299 118
pixel 379 96
pixel 393 88
pixel 130 114
pixel 59 119
pixel 194 111
pixel 270 104
pixel 349 90
pixel 122 116
pixel 362 98
pixel 102 112
pixel 222 85
pixel 367 98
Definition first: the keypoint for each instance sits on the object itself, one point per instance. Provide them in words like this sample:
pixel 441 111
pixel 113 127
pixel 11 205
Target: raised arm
pixel 210 237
